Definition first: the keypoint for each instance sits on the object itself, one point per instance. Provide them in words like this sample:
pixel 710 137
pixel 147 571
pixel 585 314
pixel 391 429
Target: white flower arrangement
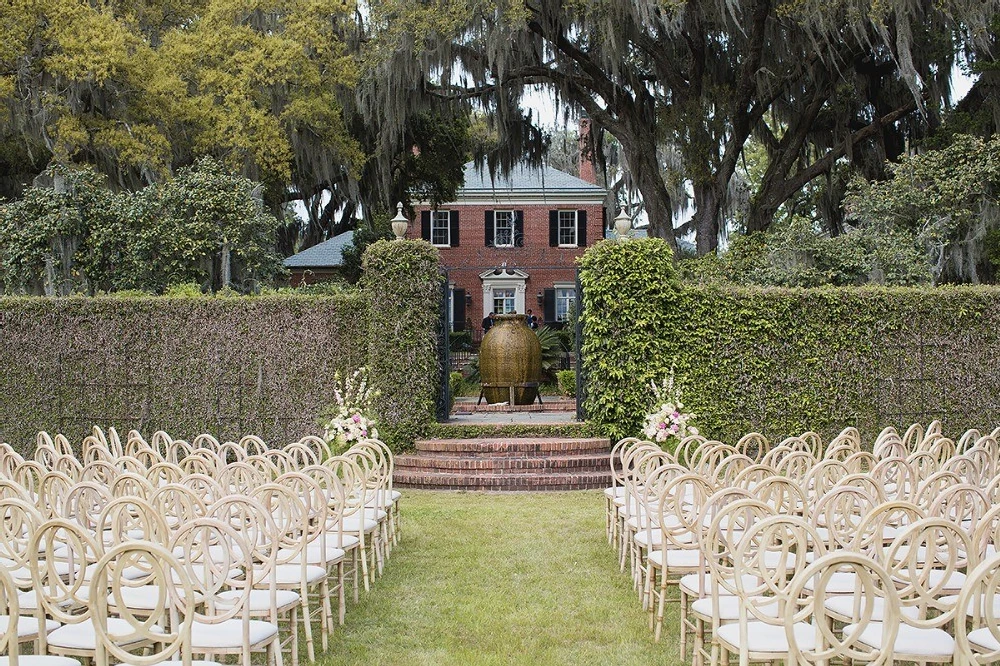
pixel 667 422
pixel 348 424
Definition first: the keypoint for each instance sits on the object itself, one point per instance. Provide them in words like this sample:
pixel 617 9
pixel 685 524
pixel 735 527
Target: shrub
pixel 460 340
pixel 782 361
pixel 187 365
pixel 567 382
pixel 402 285
pixel 455 382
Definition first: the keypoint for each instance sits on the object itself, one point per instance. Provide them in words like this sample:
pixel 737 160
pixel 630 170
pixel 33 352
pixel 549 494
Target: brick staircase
pixel 506 464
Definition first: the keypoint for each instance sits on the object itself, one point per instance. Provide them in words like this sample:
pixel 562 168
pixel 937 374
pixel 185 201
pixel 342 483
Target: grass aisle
pixel 501 579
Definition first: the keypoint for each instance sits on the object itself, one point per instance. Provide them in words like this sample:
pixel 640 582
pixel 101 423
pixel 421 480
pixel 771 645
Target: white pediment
pixel 503 273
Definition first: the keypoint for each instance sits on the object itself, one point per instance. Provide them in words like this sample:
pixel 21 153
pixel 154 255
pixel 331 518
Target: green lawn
pixel 502 579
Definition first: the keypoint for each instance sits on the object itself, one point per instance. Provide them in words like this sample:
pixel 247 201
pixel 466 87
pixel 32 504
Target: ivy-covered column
pixel 402 290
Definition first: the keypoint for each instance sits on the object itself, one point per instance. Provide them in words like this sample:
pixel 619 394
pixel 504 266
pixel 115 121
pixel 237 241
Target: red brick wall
pixel 544 265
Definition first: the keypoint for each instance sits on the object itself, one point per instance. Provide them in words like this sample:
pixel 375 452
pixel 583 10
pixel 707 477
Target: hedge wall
pixel 228 366
pixel 224 365
pixel 782 361
pixel 402 285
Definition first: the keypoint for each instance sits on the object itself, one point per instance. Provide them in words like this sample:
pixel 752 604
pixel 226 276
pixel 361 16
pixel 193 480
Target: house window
pixel 567 228
pixel 503 228
pixel 565 302
pixel 503 300
pixel 441 227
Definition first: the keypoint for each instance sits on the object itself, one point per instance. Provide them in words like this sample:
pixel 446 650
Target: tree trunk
pixel 641 154
pixel 706 217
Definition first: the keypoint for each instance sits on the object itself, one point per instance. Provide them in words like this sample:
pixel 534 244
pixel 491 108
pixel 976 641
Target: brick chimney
pixel 586 142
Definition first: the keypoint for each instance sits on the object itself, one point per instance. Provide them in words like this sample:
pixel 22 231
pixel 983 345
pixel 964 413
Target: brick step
pixel 470 407
pixel 523 447
pixel 501 482
pixel 582 462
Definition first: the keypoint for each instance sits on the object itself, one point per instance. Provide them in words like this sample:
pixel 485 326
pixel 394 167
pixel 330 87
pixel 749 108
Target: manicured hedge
pixel 781 361
pixel 224 365
pixel 227 366
pixel 402 286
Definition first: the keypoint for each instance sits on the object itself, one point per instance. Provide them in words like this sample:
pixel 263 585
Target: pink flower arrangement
pixel 667 423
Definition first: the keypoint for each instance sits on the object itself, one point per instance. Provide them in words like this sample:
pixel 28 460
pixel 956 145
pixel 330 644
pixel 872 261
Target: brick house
pixel 510 243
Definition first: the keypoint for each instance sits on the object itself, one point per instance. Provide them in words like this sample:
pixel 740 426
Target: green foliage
pixel 552 351
pixel 782 361
pixel 629 290
pixel 402 285
pixel 793 254
pixel 947 198
pixel 228 366
pixel 367 232
pixel 567 382
pixel 86 239
pixel 460 340
pixel 455 382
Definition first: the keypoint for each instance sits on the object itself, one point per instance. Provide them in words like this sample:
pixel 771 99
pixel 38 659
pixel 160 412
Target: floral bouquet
pixel 347 423
pixel 667 423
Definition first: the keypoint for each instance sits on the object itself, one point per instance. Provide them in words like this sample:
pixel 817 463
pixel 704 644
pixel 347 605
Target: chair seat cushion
pixel 691 585
pixel 729 607
pixel 841 582
pixel 260 600
pixel 229 634
pixel 292 574
pixel 354 523
pixel 844 607
pixel 910 641
pixel 316 553
pixel 342 540
pixel 27 625
pixel 676 559
pixel 763 637
pixel 984 640
pixel 41 660
pixel 952 599
pixel 616 491
pixel 144 597
pixel 82 636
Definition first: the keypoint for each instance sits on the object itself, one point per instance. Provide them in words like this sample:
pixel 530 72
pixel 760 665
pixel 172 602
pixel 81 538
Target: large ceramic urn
pixel 510 354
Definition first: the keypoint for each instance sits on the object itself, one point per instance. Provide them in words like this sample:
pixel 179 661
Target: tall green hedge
pixel 224 365
pixel 781 361
pixel 402 285
pixel 228 366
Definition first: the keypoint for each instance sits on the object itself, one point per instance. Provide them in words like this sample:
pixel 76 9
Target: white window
pixel 567 228
pixel 503 228
pixel 441 227
pixel 503 300
pixel 565 302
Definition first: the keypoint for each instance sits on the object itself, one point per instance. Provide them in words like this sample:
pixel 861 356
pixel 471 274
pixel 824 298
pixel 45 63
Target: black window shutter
pixel 549 306
pixel 453 221
pixel 519 228
pixel 458 310
pixel 553 228
pixel 581 228
pixel 489 220
pixel 425 225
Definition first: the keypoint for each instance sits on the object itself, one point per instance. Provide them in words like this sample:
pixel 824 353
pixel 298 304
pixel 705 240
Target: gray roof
pixel 328 254
pixel 543 178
